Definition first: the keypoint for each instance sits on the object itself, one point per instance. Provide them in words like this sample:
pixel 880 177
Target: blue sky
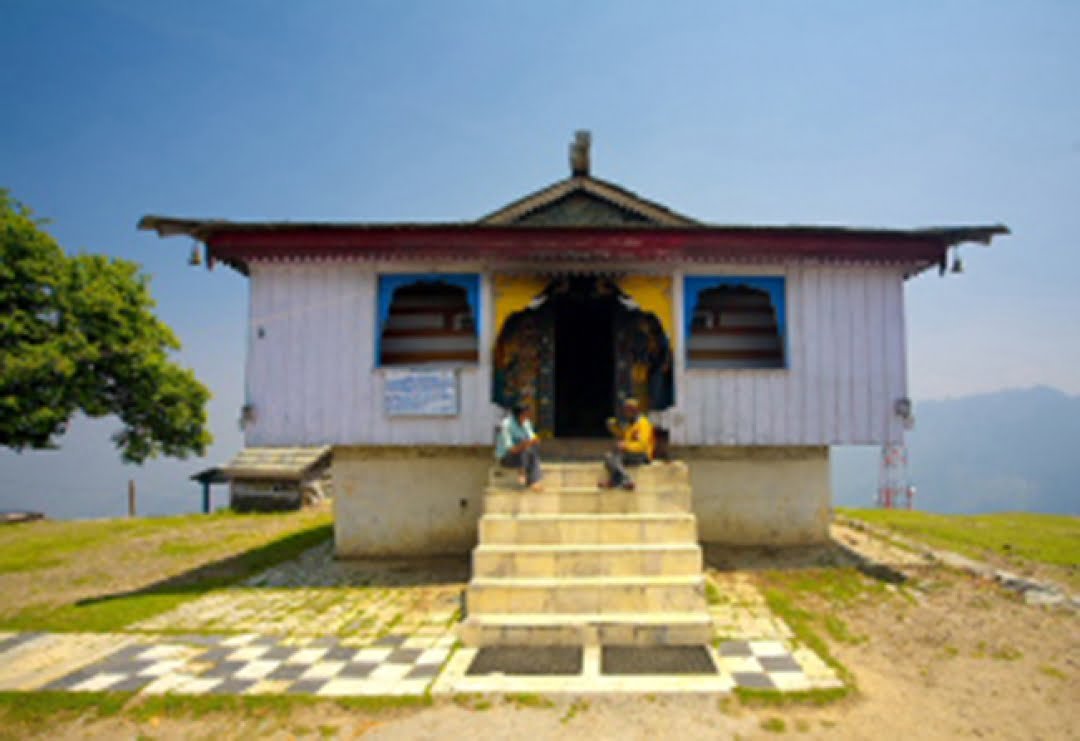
pixel 875 114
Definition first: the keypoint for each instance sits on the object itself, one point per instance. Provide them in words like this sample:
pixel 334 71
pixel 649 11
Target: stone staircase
pixel 579 565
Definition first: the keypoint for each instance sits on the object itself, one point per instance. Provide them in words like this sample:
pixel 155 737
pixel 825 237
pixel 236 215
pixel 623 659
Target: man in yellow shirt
pixel 635 447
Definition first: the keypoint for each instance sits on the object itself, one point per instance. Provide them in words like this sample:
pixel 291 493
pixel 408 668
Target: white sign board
pixel 421 393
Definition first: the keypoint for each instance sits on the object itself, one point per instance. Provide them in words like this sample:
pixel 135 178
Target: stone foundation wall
pixel 407 501
pixel 760 495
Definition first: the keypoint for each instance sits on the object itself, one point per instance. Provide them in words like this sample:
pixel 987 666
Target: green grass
pixel 774 725
pixel 25 713
pixel 116 611
pixel 776 699
pixel 713 595
pixel 808 601
pixel 42 545
pixel 1019 536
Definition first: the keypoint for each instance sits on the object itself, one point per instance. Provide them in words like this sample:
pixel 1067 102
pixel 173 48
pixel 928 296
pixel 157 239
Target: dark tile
pixel 17 640
pixel 323 642
pixel 232 686
pixel 288 671
pixel 215 655
pixel 527 660
pixel 638 660
pixel 339 653
pixel 224 669
pixel 306 686
pixel 753 680
pixel 779 664
pixel 123 667
pixel 735 648
pixel 200 640
pixel 424 671
pixel 131 684
pixel 391 640
pixel 127 653
pixel 68 681
pixel 358 670
pixel 404 656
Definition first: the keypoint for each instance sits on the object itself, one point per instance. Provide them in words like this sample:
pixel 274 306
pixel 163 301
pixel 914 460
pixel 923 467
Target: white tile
pixel 306 656
pixel 257 669
pixel 407 687
pixel 372 655
pixel 164 651
pixel 376 688
pixel 198 685
pixel 768 648
pixel 99 682
pixel 161 668
pixel 790 681
pixel 343 687
pixel 323 670
pixel 240 640
pixel 740 664
pixel 247 653
pixel 391 671
pixel 166 683
pixel 433 656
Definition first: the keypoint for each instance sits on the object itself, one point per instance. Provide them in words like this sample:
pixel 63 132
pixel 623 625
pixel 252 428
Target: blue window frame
pixel 735 322
pixel 444 333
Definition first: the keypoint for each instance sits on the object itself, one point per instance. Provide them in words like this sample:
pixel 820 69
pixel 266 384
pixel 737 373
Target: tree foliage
pixel 78 334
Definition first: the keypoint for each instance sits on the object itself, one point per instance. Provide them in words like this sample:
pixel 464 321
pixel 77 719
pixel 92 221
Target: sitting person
pixel 635 448
pixel 517 446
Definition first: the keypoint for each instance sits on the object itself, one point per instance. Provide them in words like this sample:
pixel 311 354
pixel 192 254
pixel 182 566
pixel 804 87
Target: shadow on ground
pixel 301 560
pixel 791 558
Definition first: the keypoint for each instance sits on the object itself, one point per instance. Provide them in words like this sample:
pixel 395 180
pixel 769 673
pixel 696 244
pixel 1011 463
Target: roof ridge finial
pixel 579 153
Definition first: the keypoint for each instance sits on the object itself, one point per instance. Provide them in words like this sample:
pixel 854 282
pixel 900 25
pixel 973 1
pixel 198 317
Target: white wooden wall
pixel 311 375
pixel 846 366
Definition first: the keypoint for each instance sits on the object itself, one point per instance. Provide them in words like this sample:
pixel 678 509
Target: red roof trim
pixel 574 244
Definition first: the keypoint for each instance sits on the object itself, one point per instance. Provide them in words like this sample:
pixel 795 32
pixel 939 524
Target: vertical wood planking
pixel 878 393
pixel 860 359
pixel 313 380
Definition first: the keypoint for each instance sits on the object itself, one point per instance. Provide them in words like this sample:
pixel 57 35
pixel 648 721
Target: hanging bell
pixel 196 255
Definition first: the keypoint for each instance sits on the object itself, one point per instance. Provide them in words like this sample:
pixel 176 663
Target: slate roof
pixel 290 464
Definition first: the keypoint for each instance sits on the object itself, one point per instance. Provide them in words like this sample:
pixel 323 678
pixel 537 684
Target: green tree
pixel 78 334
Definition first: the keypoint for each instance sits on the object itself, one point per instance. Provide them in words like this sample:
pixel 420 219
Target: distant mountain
pixel 1017 449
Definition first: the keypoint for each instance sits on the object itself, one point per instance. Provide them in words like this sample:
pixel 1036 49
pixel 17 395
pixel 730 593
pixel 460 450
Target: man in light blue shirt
pixel 517 446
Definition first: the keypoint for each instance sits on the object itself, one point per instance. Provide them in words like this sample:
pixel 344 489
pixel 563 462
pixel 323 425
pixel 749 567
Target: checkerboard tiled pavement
pixel 251 664
pixel 316 626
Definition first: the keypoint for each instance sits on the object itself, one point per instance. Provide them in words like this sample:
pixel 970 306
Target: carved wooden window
pixel 735 322
pixel 428 320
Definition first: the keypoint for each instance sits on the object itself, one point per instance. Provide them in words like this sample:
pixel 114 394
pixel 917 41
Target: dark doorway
pixel 584 358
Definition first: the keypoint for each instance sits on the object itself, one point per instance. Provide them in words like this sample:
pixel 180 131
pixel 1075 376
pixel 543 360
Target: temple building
pixel 401 345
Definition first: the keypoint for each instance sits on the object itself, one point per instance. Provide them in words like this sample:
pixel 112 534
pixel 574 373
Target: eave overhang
pixel 240 243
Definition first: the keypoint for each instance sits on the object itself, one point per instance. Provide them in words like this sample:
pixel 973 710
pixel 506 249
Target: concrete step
pixel 586 500
pixel 556 475
pixel 561 561
pixel 587 595
pixel 579 629
pixel 588 529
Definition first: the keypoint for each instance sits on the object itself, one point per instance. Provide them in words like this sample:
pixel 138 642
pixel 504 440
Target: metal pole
pixel 131 497
pixel 206 497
